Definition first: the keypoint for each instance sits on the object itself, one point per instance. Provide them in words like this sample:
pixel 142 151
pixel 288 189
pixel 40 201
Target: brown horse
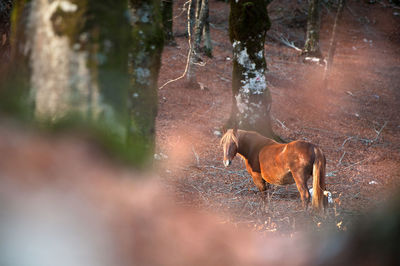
pixel 269 162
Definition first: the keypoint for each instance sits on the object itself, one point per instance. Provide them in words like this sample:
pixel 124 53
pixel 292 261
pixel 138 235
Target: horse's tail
pixel 318 199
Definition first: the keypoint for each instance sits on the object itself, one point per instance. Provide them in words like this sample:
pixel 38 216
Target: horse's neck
pixel 250 142
pixel 243 148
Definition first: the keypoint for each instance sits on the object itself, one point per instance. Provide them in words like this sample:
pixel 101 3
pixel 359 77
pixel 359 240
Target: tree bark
pixel 79 51
pixel 251 102
pixel 167 19
pixel 92 61
pixel 311 47
pixel 194 55
pixel 5 21
pixel 192 15
pixel 207 48
pixel 332 45
pixel 145 64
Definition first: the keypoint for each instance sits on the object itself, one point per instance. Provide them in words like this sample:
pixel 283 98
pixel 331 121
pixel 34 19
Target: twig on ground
pixel 240 191
pixel 196 156
pixel 379 131
pixel 281 123
pixel 224 79
pixel 344 142
pixel 286 42
pixel 351 165
pixel 341 158
pixel 333 173
pixel 240 172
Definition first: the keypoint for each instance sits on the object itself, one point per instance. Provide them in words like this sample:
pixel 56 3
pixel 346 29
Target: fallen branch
pixel 379 132
pixel 281 123
pixel 286 42
pixel 345 141
pixel 351 165
pixel 341 158
pixel 196 156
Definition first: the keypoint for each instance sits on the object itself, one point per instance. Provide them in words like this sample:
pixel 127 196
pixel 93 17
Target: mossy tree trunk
pixel 248 24
pixel 311 47
pixel 167 18
pixel 145 62
pixel 92 61
pixel 79 61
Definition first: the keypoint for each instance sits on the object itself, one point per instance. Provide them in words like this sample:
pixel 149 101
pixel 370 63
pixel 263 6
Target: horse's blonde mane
pixel 229 136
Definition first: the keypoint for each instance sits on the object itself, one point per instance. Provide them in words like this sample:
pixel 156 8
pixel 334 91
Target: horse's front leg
pixel 259 181
pixel 262 185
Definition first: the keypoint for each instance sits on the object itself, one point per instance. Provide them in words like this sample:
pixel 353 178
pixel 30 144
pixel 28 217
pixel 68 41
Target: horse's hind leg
pixel 301 183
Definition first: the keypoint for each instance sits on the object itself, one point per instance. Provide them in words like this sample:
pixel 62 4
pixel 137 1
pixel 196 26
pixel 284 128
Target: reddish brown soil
pixel 361 100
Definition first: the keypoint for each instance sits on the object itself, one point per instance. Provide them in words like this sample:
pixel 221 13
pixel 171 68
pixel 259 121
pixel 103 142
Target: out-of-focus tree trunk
pixel 311 47
pixel 145 62
pixel 92 61
pixel 79 60
pixel 167 19
pixel 248 24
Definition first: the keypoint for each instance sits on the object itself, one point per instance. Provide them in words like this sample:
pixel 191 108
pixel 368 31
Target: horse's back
pixel 278 161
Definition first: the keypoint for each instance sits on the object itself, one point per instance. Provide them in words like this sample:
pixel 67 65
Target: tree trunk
pixel 5 19
pixel 248 24
pixel 78 59
pixel 311 47
pixel 78 53
pixel 332 45
pixel 207 48
pixel 167 19
pixel 194 55
pixel 145 65
pixel 192 15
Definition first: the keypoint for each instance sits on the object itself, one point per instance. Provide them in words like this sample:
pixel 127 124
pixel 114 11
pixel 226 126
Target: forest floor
pixel 355 121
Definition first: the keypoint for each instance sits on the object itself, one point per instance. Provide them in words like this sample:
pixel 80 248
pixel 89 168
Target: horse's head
pixel 230 145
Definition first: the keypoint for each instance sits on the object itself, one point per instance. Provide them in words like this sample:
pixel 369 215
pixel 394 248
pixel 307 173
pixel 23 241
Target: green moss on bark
pixel 121 49
pixel 248 24
pixel 145 62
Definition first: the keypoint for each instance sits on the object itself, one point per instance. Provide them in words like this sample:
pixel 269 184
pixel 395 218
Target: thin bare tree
pixel 311 46
pixel 332 44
